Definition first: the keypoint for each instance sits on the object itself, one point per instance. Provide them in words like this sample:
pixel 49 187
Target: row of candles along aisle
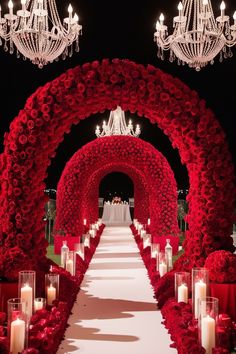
pixel 68 258
pixel 20 309
pixel 205 308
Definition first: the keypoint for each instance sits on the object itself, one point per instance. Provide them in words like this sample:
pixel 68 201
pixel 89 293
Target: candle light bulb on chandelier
pixel 161 19
pixel 222 8
pixel 180 6
pixel 23 2
pixel 10 6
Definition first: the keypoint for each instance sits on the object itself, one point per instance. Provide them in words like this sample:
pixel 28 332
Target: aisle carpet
pixel 115 311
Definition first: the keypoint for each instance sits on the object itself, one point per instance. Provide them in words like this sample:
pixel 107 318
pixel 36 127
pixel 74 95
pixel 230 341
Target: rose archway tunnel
pixel 146 162
pixel 49 113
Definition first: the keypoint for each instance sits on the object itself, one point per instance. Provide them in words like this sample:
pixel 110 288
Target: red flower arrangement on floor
pixel 95 87
pixel 178 317
pixel 47 326
pixel 221 266
pixel 72 202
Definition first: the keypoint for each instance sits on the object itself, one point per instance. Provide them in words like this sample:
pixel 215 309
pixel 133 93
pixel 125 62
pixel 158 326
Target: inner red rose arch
pixel 95 87
pixel 161 190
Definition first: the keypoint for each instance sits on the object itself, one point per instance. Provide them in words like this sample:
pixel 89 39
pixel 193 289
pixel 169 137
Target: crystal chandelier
pixel 197 36
pixel 37 32
pixel 117 125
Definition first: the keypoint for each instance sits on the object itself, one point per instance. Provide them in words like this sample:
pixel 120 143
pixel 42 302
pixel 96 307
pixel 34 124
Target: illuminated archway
pixel 136 154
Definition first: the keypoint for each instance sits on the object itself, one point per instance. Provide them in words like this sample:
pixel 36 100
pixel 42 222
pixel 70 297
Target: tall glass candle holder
pixel 79 249
pixel 71 262
pixel 200 286
pixel 182 286
pixel 207 322
pixel 146 240
pixel 17 325
pixel 87 240
pixel 39 303
pixel 51 287
pixel 162 264
pixel 26 290
pixel 155 248
pixel 64 252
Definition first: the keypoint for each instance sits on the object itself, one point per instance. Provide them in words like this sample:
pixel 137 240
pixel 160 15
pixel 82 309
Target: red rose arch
pixel 73 205
pixel 95 87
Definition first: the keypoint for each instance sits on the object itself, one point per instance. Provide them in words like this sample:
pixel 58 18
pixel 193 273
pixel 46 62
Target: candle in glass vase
pixel 200 293
pixel 38 304
pixel 208 333
pixel 162 268
pixel 51 294
pixel 183 293
pixel 17 339
pixel 70 266
pixel 26 294
pixel 85 222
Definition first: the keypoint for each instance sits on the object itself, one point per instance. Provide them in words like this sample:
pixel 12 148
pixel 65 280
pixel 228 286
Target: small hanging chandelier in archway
pixel 117 125
pixel 197 36
pixel 37 32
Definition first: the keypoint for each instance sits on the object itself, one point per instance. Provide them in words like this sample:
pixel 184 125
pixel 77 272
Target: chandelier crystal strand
pixel 197 36
pixel 117 125
pixel 37 32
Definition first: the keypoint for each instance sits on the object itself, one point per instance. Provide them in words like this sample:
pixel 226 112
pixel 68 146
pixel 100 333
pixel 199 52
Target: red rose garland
pixel 95 87
pixel 133 152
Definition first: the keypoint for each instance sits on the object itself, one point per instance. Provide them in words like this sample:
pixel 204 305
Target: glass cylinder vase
pixel 39 303
pixel 51 287
pixel 79 249
pixel 71 262
pixel 155 249
pixel 207 322
pixel 17 325
pixel 182 286
pixel 200 286
pixel 64 252
pixel 26 290
pixel 162 263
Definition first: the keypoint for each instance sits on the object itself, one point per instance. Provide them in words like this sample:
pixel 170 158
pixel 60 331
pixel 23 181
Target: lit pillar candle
pixel 38 305
pixel 70 266
pixel 208 333
pixel 17 338
pixel 149 222
pixel 26 295
pixel 162 269
pixel 85 222
pixel 200 293
pixel 51 294
pixel 183 293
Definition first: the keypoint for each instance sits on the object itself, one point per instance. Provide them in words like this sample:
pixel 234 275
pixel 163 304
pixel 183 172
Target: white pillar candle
pixel 200 293
pixel 26 294
pixel 149 222
pixel 162 269
pixel 85 222
pixel 208 333
pixel 143 233
pixel 38 305
pixel 17 338
pixel 51 294
pixel 183 293
pixel 70 266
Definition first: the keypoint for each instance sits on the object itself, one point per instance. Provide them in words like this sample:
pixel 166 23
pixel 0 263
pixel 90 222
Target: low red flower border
pixel 95 87
pixel 47 326
pixel 73 206
pixel 178 317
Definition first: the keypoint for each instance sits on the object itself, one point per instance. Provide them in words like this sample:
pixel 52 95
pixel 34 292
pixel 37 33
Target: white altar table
pixel 116 214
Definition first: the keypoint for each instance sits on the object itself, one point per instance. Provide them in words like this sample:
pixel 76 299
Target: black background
pixel 124 30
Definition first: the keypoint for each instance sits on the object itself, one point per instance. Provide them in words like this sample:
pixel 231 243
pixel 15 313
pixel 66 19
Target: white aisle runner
pixel 115 311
